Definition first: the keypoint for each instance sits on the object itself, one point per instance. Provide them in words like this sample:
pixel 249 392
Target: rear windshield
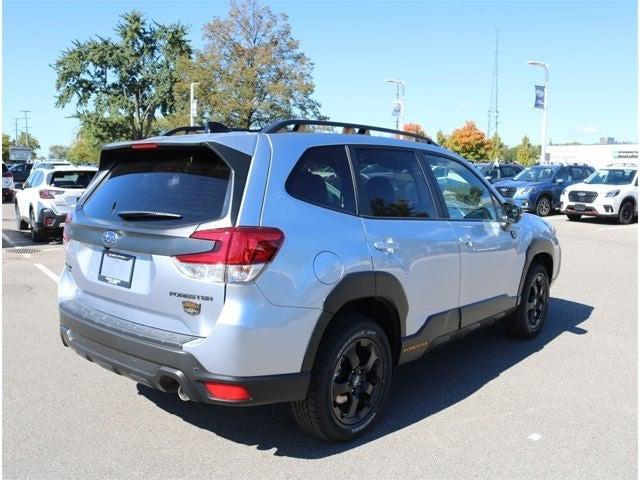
pixel 71 179
pixel 192 183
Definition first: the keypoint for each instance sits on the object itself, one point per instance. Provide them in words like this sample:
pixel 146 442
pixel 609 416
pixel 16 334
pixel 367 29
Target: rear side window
pixel 191 182
pixel 391 184
pixel 322 177
pixel 67 179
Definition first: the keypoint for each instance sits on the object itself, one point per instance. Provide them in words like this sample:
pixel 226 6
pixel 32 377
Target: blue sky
pixel 443 50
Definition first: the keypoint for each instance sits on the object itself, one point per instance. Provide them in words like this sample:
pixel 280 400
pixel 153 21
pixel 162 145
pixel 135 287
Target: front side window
pixel 508 172
pixel 322 177
pixel 564 174
pixel 391 184
pixel 465 195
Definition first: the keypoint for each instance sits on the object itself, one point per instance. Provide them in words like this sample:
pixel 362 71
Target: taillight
pixel 48 194
pixel 7 174
pixel 227 391
pixel 65 232
pixel 238 255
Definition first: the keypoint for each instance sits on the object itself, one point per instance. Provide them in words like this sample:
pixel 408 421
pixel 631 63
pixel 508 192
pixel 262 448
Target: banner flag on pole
pixel 539 103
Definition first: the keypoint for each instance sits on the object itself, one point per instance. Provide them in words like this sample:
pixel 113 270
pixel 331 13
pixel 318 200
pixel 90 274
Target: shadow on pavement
pixel 420 389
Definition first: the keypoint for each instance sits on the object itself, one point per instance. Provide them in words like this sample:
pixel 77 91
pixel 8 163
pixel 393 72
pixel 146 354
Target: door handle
pixel 466 242
pixel 388 247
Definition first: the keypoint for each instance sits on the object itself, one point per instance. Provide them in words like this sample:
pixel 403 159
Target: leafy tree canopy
pixel 120 86
pixel 251 71
pixel 58 152
pixel 414 128
pixel 526 154
pixel 470 142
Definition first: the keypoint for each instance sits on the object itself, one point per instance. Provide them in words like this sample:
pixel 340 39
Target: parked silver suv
pixel 293 265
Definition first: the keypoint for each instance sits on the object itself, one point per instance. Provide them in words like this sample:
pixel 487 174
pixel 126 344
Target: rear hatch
pixel 67 186
pixel 131 228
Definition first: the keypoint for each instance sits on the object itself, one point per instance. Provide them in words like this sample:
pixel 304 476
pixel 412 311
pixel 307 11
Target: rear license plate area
pixel 116 269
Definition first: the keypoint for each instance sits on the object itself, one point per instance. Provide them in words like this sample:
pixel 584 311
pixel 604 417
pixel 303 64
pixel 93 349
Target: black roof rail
pixel 208 127
pixel 359 128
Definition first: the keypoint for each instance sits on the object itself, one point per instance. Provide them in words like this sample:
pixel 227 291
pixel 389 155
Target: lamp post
pixel 543 147
pixel 399 101
pixel 193 105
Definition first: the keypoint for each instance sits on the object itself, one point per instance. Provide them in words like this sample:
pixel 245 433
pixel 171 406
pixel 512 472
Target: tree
pixel 85 148
pixel 6 145
pixel 496 148
pixel 251 71
pixel 58 152
pixel 442 139
pixel 470 142
pixel 414 128
pixel 526 153
pixel 119 87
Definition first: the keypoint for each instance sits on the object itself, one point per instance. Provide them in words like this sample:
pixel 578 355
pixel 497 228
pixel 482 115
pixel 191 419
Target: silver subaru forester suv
pixel 293 265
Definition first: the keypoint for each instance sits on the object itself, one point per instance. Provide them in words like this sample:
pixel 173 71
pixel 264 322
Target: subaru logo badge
pixel 109 238
pixel 581 194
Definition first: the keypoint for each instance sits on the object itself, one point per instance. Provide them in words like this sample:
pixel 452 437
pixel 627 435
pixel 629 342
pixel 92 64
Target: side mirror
pixel 511 213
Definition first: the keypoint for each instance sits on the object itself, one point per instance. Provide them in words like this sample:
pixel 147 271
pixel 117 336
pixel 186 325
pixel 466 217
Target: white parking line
pixel 47 272
pixel 616 227
pixel 7 239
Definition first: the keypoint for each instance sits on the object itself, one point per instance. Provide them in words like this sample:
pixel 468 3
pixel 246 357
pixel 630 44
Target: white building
pixel 595 155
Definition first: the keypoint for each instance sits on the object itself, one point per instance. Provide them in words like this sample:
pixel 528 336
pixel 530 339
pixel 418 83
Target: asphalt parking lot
pixel 561 406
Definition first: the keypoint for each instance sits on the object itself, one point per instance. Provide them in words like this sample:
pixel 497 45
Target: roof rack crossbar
pixel 359 128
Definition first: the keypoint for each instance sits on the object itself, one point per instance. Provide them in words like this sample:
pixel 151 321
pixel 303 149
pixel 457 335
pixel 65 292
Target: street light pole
pixel 400 101
pixel 545 107
pixel 193 107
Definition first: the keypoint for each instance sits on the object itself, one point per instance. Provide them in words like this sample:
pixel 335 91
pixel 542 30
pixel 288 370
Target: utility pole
pixel 15 140
pixel 492 115
pixel 398 107
pixel 193 104
pixel 26 125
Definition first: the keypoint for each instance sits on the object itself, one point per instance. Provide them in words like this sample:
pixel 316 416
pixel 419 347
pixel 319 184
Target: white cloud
pixel 586 129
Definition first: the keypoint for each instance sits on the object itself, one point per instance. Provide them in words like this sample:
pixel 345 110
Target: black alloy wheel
pixel 356 381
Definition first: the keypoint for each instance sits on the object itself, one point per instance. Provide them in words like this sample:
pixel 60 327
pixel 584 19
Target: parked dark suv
pixel 501 171
pixel 538 188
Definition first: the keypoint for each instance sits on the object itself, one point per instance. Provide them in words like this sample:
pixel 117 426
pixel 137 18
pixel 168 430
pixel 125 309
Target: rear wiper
pixel 146 215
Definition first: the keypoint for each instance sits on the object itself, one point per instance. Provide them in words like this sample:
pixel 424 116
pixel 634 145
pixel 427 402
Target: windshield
pixel 538 173
pixel 618 176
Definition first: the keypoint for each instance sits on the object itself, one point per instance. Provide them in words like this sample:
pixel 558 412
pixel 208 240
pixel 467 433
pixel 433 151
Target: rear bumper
pixel 7 193
pixel 155 358
pixel 53 219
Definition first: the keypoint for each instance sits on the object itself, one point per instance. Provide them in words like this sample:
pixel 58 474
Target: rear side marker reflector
pixel 238 254
pixel 226 391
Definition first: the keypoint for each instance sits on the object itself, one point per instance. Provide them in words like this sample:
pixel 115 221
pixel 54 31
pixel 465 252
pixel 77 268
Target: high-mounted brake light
pixel 238 254
pixel 49 194
pixel 144 146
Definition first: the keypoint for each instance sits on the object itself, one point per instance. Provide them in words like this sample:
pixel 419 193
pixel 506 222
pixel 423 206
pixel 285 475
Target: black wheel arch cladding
pixel 355 286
